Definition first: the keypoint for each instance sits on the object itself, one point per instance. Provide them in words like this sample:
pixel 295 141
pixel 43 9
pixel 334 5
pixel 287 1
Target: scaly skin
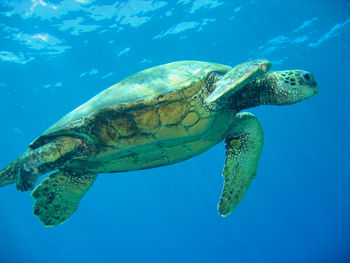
pixel 275 88
pixel 58 196
pixel 243 149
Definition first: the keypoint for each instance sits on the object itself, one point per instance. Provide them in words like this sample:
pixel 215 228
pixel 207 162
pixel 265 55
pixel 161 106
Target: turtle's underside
pixel 157 117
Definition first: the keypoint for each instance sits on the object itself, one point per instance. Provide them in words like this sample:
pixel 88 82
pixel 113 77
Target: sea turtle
pixel 159 116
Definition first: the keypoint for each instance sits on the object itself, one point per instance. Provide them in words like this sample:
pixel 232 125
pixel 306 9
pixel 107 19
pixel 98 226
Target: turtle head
pixel 288 87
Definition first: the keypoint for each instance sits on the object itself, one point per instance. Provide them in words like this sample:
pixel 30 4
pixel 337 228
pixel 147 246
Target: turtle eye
pixel 306 76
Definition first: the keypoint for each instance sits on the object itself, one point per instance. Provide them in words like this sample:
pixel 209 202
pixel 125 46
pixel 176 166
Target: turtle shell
pixel 140 89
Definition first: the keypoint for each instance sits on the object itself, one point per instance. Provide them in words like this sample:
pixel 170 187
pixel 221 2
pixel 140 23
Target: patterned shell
pixel 141 88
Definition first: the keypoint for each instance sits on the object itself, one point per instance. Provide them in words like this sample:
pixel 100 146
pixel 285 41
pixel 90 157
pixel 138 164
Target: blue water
pixel 55 55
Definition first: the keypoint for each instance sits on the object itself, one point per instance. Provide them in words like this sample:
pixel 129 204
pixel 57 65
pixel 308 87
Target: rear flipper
pixel 58 196
pixel 8 174
pixel 43 159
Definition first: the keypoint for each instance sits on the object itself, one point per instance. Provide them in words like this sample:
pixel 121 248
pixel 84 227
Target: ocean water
pixel 57 54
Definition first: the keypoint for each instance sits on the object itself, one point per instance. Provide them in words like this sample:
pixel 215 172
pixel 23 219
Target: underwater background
pixel 57 54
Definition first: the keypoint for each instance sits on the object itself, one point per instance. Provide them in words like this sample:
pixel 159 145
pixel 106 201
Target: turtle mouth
pixel 315 88
pixel 309 90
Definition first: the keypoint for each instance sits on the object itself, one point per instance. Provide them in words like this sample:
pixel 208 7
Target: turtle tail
pixel 8 174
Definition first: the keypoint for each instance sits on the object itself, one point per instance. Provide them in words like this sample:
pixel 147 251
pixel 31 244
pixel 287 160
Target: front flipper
pixel 243 149
pixel 58 196
pixel 237 78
